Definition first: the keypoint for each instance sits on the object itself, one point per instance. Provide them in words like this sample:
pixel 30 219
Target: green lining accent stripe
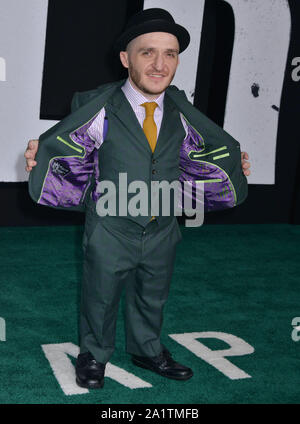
pixel 68 144
pixel 216 180
pixel 221 156
pixel 233 189
pixel 199 155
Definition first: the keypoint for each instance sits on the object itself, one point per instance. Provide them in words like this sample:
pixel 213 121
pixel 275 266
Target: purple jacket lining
pixel 68 188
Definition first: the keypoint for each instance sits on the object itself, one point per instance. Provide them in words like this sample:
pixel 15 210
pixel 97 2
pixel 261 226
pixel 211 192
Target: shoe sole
pixel 141 365
pixel 89 385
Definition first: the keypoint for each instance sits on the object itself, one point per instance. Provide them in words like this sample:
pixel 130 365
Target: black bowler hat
pixel 152 20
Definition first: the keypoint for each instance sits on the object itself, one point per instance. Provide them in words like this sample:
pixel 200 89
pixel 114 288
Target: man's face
pixel 152 61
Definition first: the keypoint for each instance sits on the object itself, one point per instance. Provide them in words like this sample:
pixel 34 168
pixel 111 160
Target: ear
pixel 124 59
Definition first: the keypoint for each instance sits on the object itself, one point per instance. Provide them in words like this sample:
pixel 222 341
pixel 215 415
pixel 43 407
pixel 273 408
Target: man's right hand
pixel 30 154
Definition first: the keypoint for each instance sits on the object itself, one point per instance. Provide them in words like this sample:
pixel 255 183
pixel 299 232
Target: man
pixel 138 131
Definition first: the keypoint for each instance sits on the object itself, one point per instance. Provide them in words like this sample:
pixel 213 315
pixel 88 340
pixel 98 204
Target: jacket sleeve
pixel 211 156
pixel 65 165
pixel 66 157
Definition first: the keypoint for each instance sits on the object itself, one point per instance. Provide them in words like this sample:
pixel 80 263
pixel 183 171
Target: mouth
pixel 156 77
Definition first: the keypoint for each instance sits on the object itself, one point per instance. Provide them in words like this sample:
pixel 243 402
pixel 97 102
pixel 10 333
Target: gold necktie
pixel 149 125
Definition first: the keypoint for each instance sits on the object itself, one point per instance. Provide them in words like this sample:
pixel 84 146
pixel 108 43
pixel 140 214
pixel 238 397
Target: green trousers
pixel 119 253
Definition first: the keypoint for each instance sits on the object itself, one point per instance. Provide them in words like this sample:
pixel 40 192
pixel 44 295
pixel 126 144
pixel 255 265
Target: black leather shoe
pixel 89 372
pixel 164 365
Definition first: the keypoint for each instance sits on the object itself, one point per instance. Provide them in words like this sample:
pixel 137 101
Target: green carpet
pixel 242 280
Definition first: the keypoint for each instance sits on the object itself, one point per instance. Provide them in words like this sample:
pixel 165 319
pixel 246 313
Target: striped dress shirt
pixel 135 99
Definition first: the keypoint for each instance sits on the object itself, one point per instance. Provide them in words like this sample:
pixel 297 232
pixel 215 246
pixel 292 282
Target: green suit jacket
pixel 66 158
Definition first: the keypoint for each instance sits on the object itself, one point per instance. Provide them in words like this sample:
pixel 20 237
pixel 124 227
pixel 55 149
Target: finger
pixel 246 165
pixel 33 145
pixel 29 154
pixel 29 144
pixel 31 162
pixel 28 168
pixel 247 173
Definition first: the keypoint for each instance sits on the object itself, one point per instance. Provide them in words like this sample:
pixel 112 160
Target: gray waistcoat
pixel 126 150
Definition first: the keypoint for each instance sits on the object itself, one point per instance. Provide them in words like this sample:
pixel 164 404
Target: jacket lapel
pixel 121 108
pixel 164 133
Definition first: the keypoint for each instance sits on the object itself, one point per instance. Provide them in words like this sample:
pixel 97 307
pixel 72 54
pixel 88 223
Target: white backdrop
pixel 22 44
pixel 262 35
pixel 261 42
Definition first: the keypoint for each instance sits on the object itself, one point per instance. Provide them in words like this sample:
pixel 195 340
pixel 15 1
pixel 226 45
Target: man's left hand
pixel 245 165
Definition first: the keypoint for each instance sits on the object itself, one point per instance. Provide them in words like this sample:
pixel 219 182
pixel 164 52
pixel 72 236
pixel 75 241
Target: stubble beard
pixel 136 79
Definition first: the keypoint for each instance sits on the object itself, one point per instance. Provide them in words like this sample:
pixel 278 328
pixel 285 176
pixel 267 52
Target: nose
pixel 159 62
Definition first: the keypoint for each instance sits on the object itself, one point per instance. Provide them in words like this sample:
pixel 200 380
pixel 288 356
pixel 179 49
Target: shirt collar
pixel 136 98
